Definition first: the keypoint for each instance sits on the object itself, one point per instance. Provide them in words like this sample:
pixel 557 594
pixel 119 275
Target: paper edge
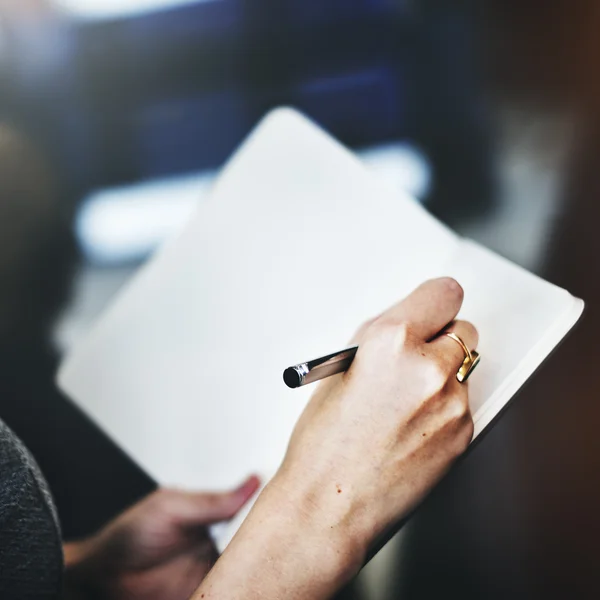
pixel 529 364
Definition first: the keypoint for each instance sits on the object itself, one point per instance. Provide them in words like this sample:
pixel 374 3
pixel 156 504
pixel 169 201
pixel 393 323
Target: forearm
pixel 287 548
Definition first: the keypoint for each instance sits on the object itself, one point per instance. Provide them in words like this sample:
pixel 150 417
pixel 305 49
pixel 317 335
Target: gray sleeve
pixel 31 560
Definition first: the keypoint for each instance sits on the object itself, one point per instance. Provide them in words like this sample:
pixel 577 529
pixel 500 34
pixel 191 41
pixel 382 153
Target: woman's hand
pixel 159 549
pixel 373 441
pixel 370 445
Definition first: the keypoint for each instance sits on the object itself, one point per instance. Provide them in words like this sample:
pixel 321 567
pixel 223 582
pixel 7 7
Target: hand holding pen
pixel 365 452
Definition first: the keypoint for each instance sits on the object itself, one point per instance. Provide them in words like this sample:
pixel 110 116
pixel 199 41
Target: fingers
pixel 450 350
pixel 195 509
pixel 429 308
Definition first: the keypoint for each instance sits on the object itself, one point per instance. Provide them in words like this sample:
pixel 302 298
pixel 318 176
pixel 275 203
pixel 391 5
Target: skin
pixel 158 550
pixel 368 448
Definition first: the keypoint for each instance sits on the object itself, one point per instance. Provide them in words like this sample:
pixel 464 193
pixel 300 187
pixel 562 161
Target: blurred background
pixel 115 116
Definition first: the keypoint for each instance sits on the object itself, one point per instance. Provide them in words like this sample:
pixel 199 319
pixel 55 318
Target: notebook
pixel 296 247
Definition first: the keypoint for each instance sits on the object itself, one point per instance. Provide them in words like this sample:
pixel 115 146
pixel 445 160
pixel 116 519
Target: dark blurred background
pixel 115 116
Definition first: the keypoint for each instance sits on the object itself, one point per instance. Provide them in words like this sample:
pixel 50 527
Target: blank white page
pixel 297 246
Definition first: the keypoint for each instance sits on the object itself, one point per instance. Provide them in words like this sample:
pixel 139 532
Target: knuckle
pixel 435 377
pixel 372 334
pixel 393 336
pixel 401 335
pixel 364 328
pixel 372 329
pixel 457 411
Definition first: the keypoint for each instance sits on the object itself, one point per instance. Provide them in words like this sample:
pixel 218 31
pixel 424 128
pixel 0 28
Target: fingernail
pixel 452 285
pixel 250 485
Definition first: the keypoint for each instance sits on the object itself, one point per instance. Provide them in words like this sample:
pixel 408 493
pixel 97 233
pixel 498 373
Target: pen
pixel 319 368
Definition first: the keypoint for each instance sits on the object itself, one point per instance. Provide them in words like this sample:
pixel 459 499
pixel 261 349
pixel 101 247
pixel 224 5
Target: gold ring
pixel 472 359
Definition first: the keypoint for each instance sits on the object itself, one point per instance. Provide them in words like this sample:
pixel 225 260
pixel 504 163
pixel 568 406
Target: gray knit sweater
pixel 30 542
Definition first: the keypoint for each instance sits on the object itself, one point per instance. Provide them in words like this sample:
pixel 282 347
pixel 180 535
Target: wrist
pixel 294 544
pixel 324 520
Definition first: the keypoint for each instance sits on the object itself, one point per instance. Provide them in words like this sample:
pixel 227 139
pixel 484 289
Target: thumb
pixel 194 509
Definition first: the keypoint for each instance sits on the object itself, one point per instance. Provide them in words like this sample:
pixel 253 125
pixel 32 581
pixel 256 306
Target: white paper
pixel 297 246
